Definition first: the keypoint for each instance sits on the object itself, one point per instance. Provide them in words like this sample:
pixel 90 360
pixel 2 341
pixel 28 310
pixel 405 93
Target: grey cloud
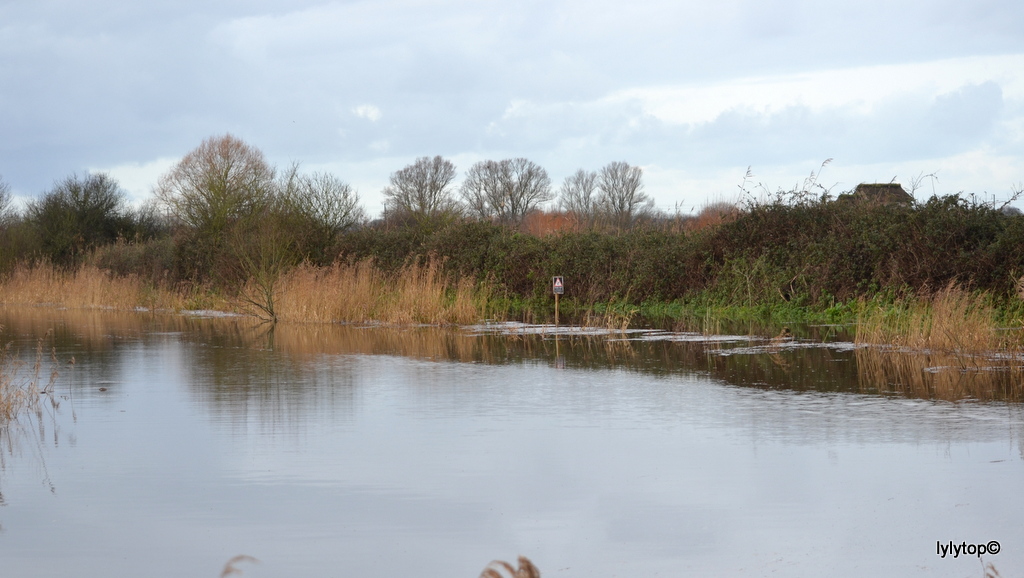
pixel 103 83
pixel 907 128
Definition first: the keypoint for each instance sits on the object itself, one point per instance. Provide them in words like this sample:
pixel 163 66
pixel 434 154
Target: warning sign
pixel 557 286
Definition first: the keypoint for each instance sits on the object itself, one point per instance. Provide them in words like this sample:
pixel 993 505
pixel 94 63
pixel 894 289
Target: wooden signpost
pixel 558 287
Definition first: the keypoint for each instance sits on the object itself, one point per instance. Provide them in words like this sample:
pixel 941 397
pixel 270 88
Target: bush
pixel 78 215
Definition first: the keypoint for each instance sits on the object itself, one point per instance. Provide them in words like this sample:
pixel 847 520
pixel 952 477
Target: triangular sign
pixel 558 282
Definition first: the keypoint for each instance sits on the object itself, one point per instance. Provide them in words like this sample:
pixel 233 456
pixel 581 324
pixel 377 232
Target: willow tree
pixel 215 193
pixel 220 183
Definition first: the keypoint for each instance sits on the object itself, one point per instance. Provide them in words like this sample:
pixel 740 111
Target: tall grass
pixel 951 319
pixel 84 287
pixel 419 292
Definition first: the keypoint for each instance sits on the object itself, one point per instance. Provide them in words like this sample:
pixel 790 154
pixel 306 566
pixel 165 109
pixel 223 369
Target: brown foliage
pixel 541 223
pixel 713 215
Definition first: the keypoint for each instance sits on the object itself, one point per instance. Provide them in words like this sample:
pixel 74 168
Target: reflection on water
pixel 813 362
pixel 430 451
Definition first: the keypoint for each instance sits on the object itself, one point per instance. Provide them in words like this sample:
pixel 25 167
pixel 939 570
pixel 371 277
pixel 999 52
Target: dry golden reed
pixel 419 293
pixel 86 287
pixel 952 320
pixel 360 292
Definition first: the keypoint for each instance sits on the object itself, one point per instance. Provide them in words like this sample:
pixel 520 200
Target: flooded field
pixel 175 443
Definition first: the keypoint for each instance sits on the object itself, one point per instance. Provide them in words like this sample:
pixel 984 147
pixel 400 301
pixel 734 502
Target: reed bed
pixel 360 292
pixel 85 287
pixel 950 320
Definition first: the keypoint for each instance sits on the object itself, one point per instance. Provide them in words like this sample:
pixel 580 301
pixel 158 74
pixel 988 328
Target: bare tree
pixel 482 189
pixel 421 191
pixel 220 182
pixel 506 190
pixel 327 203
pixel 621 197
pixel 577 197
pixel 315 210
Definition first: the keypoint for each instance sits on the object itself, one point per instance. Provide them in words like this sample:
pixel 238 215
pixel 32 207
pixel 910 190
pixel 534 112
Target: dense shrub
pixel 805 253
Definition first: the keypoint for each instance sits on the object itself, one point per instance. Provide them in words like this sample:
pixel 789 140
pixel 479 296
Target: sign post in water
pixel 558 287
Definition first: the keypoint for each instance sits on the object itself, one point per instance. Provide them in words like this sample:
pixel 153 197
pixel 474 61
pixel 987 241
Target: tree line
pixel 219 191
pixel 224 213
pixel 223 217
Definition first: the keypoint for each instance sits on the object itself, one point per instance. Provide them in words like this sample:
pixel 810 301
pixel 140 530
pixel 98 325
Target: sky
pixel 694 92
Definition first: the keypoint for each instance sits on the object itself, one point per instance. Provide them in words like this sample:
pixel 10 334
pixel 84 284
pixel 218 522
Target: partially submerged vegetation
pixel 228 231
pixel 951 320
pixel 20 387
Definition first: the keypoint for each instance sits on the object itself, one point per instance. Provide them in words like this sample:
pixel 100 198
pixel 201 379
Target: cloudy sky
pixel 692 91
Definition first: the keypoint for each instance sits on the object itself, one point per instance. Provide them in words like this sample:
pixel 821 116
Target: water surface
pixel 180 442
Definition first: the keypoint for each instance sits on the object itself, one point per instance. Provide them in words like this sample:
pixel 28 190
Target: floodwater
pixel 175 443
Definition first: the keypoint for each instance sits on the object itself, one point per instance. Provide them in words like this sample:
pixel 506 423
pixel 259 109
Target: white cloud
pixel 367 111
pixel 138 179
pixel 860 90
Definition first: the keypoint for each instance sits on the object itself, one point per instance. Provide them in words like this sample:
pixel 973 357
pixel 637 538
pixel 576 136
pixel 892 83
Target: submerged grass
pixel 20 388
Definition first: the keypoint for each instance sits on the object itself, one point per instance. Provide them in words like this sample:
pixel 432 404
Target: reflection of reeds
pixel 949 346
pixel 22 397
pixel 18 391
pixel 939 375
pixel 951 319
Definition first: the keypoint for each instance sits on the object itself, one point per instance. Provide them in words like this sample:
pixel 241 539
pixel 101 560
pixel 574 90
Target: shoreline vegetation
pixel 226 231
pixel 950 320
